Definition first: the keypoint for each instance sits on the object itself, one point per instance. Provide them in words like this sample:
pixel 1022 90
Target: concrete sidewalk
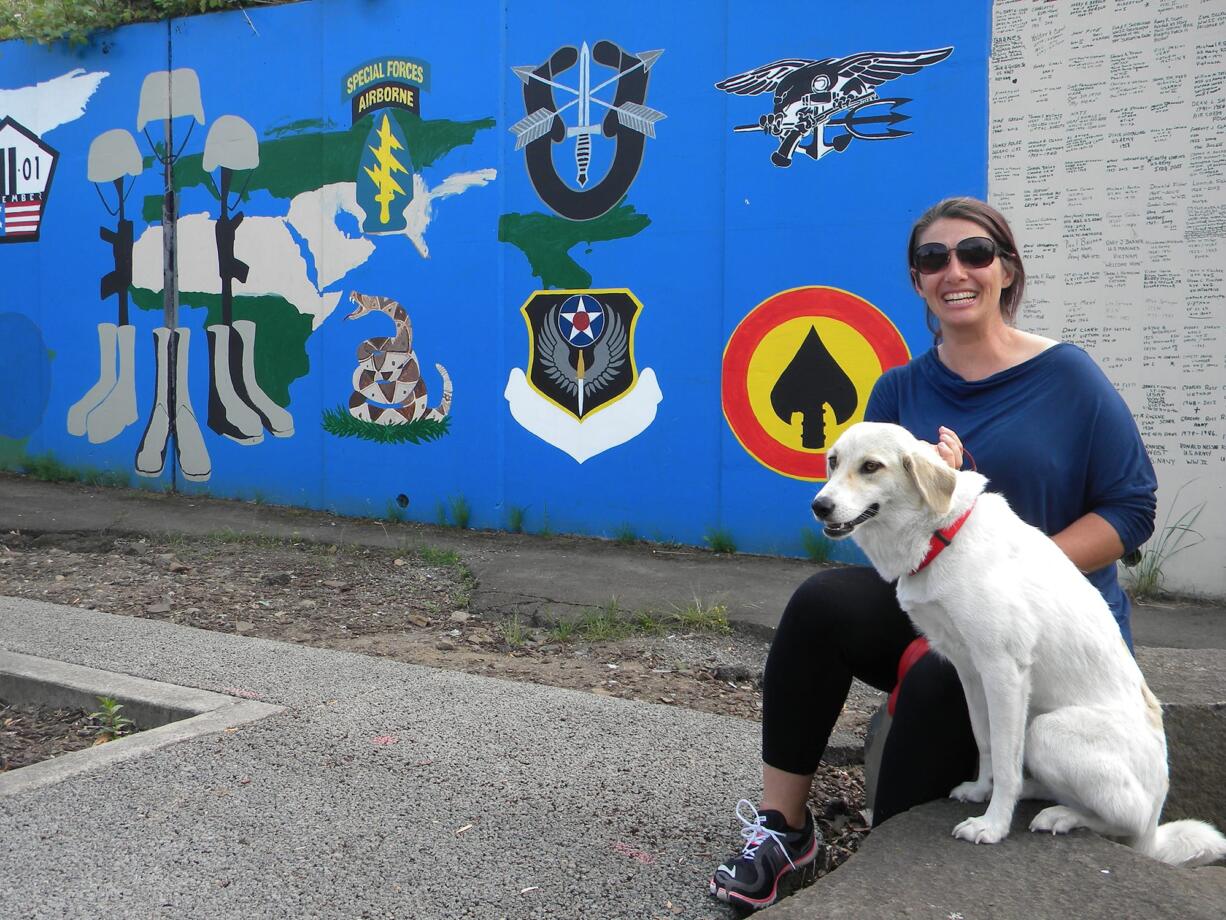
pixel 380 789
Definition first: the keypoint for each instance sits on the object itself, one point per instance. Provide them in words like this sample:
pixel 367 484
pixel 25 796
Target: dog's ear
pixel 933 479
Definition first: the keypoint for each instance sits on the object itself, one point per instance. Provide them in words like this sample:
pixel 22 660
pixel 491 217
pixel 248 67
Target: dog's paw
pixel 980 830
pixel 1058 819
pixel 978 791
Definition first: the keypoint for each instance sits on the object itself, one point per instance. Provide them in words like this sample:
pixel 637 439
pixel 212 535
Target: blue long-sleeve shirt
pixel 1051 434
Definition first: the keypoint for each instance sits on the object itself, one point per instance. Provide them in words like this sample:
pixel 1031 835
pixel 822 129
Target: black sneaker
pixel 771 851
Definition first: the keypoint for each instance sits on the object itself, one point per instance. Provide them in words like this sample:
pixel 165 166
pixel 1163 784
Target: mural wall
pixel 607 269
pixel 1108 149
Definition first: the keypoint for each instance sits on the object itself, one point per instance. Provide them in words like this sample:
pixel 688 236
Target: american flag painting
pixel 26 167
pixel 20 218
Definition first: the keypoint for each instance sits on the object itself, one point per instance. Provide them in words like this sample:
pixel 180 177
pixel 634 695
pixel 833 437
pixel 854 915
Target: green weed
pixel 461 511
pixel 515 518
pixel 432 555
pixel 12 453
pixel 1147 578
pixel 720 541
pixel 647 623
pixel 605 624
pixel 817 546
pixel 625 535
pixel 611 623
pixel 230 536
pixel 394 514
pixel 514 633
pixel 47 468
pixel 112 724
pixel 563 631
pixel 111 479
pixel 699 617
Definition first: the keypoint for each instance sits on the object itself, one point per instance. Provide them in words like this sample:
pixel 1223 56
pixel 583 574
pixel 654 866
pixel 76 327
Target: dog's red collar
pixel 942 538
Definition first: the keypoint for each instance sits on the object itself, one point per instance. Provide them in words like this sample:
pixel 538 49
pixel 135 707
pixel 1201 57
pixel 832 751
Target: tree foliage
pixel 75 21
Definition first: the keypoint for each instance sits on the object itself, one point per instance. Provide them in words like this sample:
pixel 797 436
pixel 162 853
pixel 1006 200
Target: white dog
pixel 1048 679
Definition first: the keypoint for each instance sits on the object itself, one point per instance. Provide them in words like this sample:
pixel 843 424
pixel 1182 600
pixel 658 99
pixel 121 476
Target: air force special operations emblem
pixel 839 94
pixel 581 356
pixel 627 120
pixel 582 392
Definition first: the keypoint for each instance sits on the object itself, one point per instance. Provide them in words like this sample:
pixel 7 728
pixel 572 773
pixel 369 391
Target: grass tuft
pixel 1147 577
pixel 514 633
pixel 625 535
pixel 817 545
pixel 432 555
pixel 461 511
pixel 611 623
pixel 515 518
pixel 720 541
pixel 605 624
pixel 339 422
pixel 47 468
pixel 111 479
pixel 564 631
pixel 231 536
pixel 699 617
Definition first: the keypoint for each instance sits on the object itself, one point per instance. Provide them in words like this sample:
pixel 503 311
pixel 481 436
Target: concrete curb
pixel 911 866
pixel 178 712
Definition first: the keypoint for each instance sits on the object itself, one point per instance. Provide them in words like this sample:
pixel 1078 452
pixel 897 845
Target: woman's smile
pixel 957 293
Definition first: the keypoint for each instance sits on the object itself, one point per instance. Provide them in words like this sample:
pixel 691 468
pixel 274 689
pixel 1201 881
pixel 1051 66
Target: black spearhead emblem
pixel 810 382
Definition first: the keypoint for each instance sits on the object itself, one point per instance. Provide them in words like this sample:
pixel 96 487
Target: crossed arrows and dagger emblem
pixel 632 115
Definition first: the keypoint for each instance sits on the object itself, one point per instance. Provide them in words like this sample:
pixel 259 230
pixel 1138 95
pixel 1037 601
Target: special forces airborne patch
pixel 582 392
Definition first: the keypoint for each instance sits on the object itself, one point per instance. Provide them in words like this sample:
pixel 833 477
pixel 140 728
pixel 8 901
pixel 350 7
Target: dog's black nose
pixel 822 507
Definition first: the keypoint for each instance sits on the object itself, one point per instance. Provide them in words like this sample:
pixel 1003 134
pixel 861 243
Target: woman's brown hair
pixel 986 216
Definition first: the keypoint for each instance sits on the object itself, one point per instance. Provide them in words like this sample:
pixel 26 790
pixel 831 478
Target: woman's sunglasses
pixel 973 252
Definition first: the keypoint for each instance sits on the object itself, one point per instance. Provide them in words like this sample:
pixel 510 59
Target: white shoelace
pixel 755 833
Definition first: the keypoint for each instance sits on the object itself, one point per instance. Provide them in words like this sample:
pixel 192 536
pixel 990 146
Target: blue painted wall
pixel 725 231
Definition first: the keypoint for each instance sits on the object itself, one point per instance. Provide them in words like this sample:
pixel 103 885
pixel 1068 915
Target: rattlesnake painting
pixel 387 385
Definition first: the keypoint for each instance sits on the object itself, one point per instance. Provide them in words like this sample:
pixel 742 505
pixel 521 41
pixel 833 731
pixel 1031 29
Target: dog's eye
pixel 832 462
pixel 870 466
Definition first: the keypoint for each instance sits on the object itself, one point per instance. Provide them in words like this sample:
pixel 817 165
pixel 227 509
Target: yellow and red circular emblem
pixel 798 370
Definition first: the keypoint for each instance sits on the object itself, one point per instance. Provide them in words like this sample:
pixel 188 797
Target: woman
pixel 1049 431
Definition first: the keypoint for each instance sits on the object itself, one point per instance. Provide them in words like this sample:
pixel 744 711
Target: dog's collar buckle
pixel 942 538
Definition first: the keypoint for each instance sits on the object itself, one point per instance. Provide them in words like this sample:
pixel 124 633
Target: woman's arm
pixel 1091 542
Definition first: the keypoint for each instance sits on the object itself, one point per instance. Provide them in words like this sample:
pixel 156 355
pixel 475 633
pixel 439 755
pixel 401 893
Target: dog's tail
pixel 1184 843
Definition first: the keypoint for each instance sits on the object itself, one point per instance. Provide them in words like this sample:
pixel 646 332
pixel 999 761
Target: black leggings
pixel 844 623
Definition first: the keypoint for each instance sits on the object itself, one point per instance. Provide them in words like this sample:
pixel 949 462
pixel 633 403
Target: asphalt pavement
pixel 372 788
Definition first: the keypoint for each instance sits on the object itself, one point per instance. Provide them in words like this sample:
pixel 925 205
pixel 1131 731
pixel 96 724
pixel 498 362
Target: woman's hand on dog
pixel 949 447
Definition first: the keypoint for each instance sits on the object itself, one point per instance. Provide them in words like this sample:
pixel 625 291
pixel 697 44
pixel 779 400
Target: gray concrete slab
pixel 912 867
pixel 496 799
